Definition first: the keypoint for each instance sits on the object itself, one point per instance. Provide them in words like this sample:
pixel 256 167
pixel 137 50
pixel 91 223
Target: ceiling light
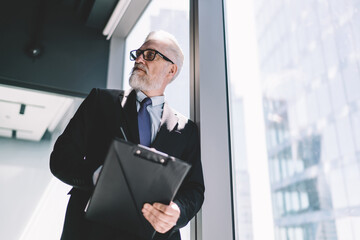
pixel 115 18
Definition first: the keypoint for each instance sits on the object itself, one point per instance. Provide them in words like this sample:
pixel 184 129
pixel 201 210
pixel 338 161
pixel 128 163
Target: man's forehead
pixel 155 44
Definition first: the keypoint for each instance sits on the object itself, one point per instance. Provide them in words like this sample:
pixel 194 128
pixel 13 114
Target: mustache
pixel 139 66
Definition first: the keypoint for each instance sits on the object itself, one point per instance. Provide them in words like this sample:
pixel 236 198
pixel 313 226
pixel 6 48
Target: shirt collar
pixel 157 100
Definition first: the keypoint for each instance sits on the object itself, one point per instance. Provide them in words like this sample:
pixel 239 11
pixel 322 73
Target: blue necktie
pixel 144 123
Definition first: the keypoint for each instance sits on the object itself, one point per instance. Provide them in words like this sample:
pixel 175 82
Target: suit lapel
pixel 169 118
pixel 128 116
pixel 128 120
pixel 168 123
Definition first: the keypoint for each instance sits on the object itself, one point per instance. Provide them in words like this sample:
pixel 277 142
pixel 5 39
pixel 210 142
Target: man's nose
pixel 140 59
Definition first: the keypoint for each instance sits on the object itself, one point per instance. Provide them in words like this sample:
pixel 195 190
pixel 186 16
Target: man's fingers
pixel 160 207
pixel 159 215
pixel 157 221
pixel 171 210
pixel 164 208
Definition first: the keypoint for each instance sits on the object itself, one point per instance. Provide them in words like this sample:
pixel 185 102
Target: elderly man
pixel 144 117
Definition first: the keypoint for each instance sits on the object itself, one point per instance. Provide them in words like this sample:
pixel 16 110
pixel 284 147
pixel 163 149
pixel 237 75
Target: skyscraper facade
pixel 309 53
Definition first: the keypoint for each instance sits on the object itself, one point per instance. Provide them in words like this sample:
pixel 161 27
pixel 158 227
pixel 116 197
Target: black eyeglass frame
pixel 133 55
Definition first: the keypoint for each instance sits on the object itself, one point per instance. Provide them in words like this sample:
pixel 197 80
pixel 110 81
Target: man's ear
pixel 173 70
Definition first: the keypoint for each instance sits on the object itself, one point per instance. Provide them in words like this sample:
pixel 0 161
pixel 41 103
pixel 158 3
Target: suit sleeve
pixel 68 159
pixel 190 196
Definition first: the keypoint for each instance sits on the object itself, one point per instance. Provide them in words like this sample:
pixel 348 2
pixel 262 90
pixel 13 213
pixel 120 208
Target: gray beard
pixel 143 83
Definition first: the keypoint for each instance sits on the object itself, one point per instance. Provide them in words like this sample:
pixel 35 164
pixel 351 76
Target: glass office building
pixel 308 64
pixel 308 72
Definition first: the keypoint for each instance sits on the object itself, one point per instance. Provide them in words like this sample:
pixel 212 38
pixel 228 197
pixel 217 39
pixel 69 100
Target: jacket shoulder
pixel 184 121
pixel 114 93
pixel 105 95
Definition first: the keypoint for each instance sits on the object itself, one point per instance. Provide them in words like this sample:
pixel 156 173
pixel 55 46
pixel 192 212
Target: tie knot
pixel 146 102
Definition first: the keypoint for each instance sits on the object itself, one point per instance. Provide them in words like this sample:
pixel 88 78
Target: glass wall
pixel 32 202
pixel 173 17
pixel 295 65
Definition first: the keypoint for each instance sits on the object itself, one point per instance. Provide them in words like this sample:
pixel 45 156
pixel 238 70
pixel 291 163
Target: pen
pixel 123 133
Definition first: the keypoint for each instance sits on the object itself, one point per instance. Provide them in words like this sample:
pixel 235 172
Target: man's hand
pixel 161 217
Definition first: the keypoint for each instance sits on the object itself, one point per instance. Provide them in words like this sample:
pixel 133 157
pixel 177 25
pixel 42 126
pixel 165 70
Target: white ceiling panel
pixel 5 132
pixel 29 113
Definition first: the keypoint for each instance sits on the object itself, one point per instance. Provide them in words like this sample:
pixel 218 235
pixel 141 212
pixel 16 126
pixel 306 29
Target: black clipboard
pixel 133 175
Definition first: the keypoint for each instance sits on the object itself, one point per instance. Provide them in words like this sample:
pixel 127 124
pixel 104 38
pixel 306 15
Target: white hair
pixel 173 47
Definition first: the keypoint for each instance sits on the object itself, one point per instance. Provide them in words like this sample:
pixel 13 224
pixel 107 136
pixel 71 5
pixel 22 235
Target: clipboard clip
pixel 153 155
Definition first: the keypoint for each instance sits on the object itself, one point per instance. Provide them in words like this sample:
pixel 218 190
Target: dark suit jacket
pixel 82 148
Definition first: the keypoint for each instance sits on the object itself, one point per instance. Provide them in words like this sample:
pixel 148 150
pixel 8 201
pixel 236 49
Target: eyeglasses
pixel 148 54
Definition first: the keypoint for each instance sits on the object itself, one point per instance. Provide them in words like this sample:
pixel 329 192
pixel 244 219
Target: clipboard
pixel 133 175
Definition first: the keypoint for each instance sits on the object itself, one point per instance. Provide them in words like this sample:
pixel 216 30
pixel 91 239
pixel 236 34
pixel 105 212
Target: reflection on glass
pixel 308 66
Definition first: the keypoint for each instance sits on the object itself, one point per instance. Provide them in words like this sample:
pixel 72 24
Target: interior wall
pixel 116 63
pixel 74 57
pixel 24 176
